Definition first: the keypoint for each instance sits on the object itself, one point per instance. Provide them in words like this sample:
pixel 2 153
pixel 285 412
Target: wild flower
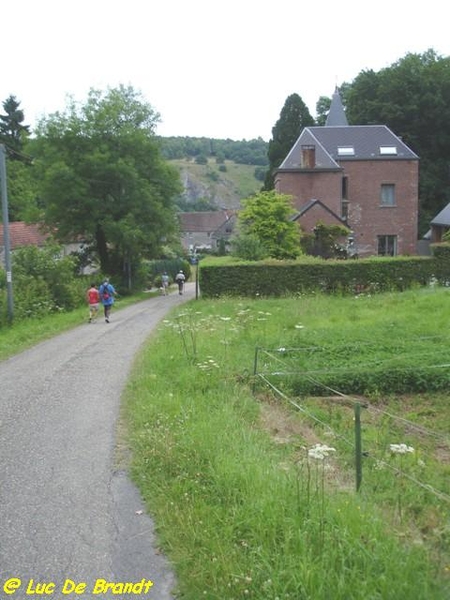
pixel 208 365
pixel 400 448
pixel 299 326
pixel 320 451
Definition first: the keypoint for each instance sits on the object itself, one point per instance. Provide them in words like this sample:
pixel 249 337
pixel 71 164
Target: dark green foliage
pixel 248 247
pixel 201 159
pixel 411 98
pixel 373 381
pixel 253 152
pixel 317 275
pixel 171 266
pixel 103 178
pixel 44 281
pixel 13 132
pixel 294 117
pixel 328 241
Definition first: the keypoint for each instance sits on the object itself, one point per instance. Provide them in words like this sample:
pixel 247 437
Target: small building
pixel 440 225
pixel 205 230
pixel 22 234
pixel 362 176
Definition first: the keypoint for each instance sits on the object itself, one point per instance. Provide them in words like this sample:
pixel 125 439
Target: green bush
pixel 308 274
pixel 44 281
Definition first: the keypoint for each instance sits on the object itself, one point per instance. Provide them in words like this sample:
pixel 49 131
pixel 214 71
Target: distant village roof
pixel 22 234
pixel 336 115
pixel 207 221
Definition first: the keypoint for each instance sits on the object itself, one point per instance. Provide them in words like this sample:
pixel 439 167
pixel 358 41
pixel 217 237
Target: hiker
pixel 165 283
pixel 107 293
pixel 180 279
pixel 93 299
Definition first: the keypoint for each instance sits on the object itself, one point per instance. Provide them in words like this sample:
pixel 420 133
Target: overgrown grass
pixel 242 515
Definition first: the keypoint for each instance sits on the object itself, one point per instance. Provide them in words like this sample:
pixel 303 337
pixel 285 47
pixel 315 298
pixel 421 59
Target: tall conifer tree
pixel 294 117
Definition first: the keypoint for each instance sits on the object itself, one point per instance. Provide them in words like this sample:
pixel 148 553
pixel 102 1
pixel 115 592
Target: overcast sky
pixel 213 69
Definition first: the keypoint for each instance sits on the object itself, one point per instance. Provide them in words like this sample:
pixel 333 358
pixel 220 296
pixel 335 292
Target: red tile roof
pixel 22 234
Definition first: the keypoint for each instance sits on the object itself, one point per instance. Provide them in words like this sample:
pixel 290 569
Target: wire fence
pixel 373 440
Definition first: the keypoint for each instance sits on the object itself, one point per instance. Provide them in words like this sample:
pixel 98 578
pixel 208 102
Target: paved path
pixel 66 511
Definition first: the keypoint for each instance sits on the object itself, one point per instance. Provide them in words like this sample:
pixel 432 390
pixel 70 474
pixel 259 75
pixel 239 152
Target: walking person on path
pixel 180 279
pixel 93 298
pixel 107 293
pixel 165 283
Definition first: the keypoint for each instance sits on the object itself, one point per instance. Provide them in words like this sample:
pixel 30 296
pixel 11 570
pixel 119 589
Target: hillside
pixel 213 185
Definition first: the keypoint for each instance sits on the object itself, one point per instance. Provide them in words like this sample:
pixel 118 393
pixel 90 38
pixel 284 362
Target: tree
pixel 12 131
pixel 322 108
pixel 294 117
pixel 103 178
pixel 266 217
pixel 411 98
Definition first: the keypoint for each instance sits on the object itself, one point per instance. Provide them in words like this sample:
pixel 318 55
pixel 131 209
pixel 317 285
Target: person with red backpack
pixel 107 293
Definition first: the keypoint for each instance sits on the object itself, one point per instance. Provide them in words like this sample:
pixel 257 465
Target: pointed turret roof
pixel 336 116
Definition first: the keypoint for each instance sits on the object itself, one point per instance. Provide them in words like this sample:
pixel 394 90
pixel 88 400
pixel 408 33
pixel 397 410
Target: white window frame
pixel 387 245
pixel 387 194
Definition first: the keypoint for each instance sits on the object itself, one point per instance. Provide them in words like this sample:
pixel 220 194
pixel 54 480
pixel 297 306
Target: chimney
pixel 308 157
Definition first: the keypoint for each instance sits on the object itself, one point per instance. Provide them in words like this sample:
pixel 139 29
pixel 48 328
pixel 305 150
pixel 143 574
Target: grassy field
pixel 245 502
pixel 251 482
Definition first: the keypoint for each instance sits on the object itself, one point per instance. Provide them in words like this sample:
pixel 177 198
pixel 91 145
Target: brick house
pixel 362 176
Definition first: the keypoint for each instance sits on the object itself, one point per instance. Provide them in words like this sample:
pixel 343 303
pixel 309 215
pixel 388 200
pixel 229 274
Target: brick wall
pixel 366 216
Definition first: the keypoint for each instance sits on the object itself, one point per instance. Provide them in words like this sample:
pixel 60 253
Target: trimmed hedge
pixel 278 278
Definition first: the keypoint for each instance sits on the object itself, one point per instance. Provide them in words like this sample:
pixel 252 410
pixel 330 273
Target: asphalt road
pixel 67 511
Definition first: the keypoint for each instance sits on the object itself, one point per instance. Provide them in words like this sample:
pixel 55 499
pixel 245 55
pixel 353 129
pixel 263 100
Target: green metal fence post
pixel 358 447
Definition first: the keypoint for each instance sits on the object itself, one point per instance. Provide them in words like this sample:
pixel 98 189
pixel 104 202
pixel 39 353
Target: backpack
pixel 105 292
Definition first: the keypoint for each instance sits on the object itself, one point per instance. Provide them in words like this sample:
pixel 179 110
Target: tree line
pixel 252 152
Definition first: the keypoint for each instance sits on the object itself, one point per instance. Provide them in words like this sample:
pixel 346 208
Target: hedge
pixel 278 278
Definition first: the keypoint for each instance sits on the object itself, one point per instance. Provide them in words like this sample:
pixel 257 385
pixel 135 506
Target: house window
pixel 388 150
pixel 345 188
pixel 387 194
pixel 344 210
pixel 387 245
pixel 346 151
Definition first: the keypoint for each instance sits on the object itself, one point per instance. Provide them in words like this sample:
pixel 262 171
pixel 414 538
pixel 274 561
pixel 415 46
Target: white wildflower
pixel 400 448
pixel 320 451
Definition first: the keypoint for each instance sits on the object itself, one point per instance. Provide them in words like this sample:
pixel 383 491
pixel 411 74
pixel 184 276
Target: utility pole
pixel 6 243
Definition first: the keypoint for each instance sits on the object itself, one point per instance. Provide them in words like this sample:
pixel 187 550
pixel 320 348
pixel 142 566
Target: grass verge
pixel 240 514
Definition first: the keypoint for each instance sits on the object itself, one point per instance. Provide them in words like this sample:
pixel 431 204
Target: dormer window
pixel 388 150
pixel 346 151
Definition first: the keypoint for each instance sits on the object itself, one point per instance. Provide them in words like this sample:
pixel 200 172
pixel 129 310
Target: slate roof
pixel 22 234
pixel 442 218
pixel 336 115
pixel 306 207
pixel 366 141
pixel 203 222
